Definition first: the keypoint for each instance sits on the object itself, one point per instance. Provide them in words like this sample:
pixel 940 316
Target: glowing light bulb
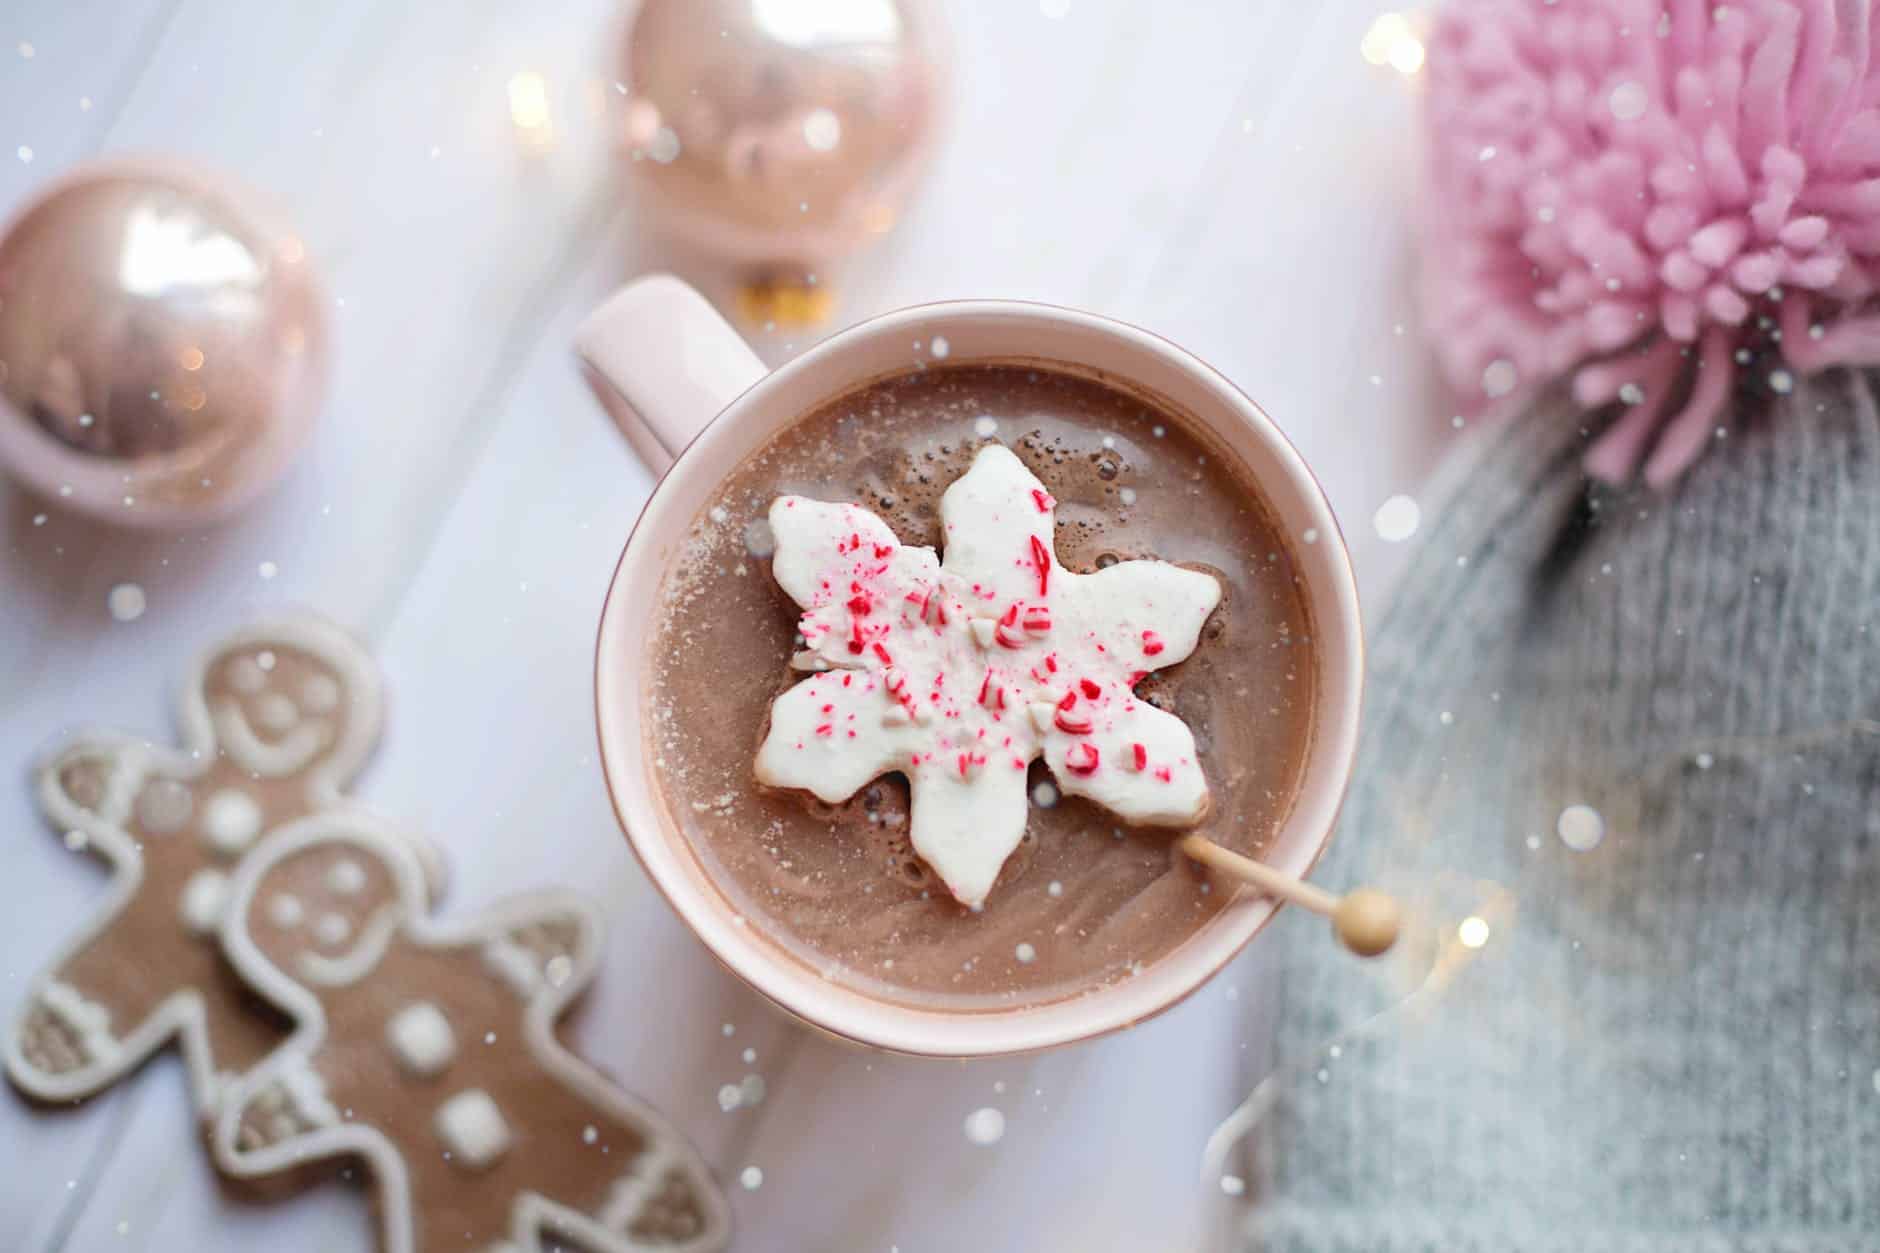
pixel 528 108
pixel 1393 40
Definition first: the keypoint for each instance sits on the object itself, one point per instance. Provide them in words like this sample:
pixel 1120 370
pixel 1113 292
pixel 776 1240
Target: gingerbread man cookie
pixel 276 720
pixel 428 1049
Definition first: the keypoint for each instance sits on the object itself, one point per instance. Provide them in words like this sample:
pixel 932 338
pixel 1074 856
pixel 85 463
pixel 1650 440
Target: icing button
pixel 202 900
pixel 472 1129
pixel 230 821
pixel 421 1039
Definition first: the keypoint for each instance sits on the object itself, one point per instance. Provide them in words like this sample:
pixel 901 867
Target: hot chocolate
pixel 1086 898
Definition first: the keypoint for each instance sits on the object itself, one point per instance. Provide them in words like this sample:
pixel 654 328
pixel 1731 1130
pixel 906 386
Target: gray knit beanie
pixel 1667 1040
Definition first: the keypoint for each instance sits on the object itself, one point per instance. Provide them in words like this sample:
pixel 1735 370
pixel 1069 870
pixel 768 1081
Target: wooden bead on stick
pixel 1365 920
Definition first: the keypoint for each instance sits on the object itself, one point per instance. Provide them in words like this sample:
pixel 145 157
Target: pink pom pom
pixel 1652 196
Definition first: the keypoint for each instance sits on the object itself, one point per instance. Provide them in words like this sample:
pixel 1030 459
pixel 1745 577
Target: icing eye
pixel 276 712
pixel 332 930
pixel 285 911
pixel 245 676
pixel 320 693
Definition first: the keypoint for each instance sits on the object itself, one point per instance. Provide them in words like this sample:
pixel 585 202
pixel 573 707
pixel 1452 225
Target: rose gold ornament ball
pixel 780 133
pixel 162 346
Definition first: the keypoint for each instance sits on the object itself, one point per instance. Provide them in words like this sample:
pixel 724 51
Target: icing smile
pixel 959 673
pixel 292 752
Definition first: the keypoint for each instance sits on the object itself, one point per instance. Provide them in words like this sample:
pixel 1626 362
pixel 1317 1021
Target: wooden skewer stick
pixel 1366 920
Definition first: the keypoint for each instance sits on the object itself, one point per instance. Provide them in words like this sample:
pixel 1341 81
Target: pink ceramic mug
pixel 695 402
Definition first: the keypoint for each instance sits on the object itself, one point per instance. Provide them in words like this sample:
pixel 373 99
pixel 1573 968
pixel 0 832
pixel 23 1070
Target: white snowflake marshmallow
pixel 960 673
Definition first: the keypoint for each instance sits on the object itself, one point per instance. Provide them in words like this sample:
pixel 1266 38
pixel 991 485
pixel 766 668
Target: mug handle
pixel 663 363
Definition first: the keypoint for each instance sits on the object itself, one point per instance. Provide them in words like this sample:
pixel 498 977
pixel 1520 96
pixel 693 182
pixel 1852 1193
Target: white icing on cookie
pixel 306 1092
pixel 472 1129
pixel 164 806
pixel 230 821
pixel 345 877
pixel 285 910
pixel 245 676
pixel 997 656
pixel 203 897
pixel 320 694
pixel 514 965
pixel 294 751
pixel 87 1020
pixel 276 712
pixel 332 930
pixel 421 1039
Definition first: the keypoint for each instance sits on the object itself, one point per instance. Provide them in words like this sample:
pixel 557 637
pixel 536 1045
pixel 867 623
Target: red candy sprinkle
pixel 1041 559
pixel 1083 758
pixel 1162 773
pixel 882 653
pixel 1151 643
pixel 1141 755
pixel 1091 688
pixel 1042 499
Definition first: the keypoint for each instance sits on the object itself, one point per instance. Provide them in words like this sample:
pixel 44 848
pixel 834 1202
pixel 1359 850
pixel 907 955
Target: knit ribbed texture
pixel 1669 1043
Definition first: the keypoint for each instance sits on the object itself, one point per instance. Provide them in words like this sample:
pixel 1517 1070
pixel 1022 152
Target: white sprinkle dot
pixel 1705 761
pixel 719 515
pixel 1631 393
pixel 985 1126
pixel 39 519
pixel 268 569
pixel 1127 495
pixel 589 1134
pixel 1055 888
pixel 985 428
pixel 1233 1185
pixel 729 1097
pixel 1473 932
pixel 1311 535
pixel 1781 382
pixel 727 1030
pixel 265 659
pixel 1158 431
pixel 752 1178
pixel 1025 953
pixel 1498 378
pixel 557 969
pixel 1045 794
pixel 1445 717
pixel 822 130
pixel 76 840
pixel 1627 101
pixel 25 155
pixel 1397 519
pixel 664 146
pixel 750 1055
pixel 1580 828
pixel 940 348
pixel 126 602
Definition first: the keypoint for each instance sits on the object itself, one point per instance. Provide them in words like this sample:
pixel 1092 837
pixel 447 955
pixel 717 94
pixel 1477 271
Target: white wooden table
pixel 1230 174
